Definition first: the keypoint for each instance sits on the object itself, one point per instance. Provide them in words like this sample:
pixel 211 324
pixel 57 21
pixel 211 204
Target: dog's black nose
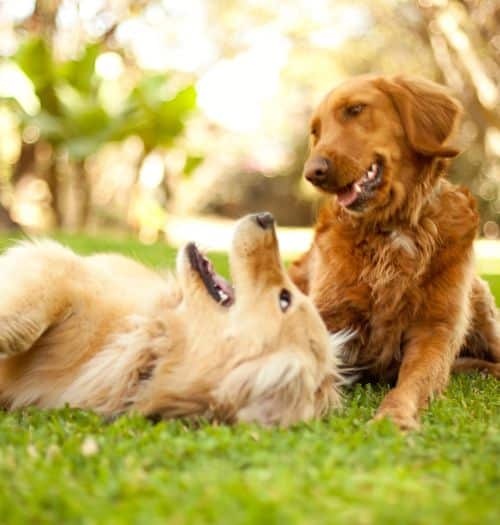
pixel 265 220
pixel 317 169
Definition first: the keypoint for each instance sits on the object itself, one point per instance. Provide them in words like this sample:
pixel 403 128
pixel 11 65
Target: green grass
pixel 341 470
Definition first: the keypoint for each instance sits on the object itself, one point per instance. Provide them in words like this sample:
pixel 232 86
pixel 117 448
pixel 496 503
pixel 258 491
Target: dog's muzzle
pixel 317 170
pixel 265 220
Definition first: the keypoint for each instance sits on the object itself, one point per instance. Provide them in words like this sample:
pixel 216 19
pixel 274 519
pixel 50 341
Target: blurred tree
pixel 74 121
pixel 153 113
pixel 465 39
pixel 260 67
pixel 71 118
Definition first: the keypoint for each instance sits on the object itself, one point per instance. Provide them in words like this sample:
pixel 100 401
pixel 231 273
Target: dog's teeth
pixel 357 187
pixel 223 296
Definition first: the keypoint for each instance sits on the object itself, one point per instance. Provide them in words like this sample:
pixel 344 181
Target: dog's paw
pixel 17 335
pixel 401 413
pixel 400 418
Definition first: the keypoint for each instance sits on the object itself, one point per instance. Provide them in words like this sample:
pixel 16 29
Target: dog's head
pixel 372 137
pixel 260 343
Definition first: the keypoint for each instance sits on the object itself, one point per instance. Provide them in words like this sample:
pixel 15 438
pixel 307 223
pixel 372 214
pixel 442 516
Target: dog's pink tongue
pixel 348 196
pixel 225 287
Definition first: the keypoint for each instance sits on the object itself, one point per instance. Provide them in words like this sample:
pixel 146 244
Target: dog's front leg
pixel 424 371
pixel 431 344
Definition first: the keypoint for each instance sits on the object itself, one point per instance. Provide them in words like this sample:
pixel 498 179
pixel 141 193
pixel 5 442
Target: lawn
pixel 69 466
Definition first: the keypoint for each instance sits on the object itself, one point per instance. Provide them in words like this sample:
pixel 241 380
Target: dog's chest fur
pixel 374 280
pixel 372 284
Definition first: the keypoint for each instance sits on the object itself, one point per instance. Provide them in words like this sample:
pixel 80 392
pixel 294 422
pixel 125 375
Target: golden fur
pixel 105 333
pixel 392 256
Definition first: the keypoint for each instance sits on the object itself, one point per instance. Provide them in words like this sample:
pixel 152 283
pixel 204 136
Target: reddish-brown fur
pixel 398 268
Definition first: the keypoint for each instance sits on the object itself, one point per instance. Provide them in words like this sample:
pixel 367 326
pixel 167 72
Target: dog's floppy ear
pixel 428 113
pixel 271 390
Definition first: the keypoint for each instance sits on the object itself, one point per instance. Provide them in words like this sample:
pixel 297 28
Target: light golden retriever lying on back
pixel 107 334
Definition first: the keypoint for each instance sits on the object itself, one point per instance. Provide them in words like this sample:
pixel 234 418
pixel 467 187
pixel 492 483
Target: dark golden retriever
pixel 392 257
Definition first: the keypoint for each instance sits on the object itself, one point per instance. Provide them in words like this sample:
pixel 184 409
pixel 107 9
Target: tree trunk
pixel 82 195
pixel 461 35
pixel 6 223
pixel 52 179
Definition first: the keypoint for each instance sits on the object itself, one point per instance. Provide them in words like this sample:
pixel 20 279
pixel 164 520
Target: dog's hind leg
pixel 485 324
pixel 32 293
pixel 471 364
pixel 17 334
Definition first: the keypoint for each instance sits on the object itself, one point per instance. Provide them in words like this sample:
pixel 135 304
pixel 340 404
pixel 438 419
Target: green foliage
pixel 35 59
pixel 342 470
pixel 72 116
pixel 80 73
pixel 192 162
pixel 153 113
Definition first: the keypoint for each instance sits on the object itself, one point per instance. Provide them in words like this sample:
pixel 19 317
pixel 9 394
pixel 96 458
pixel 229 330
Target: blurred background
pixel 164 117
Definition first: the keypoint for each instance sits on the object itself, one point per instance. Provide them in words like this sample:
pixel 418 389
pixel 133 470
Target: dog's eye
pixel 285 300
pixel 354 110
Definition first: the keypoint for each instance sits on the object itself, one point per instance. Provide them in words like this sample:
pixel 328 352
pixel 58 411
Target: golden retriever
pixel 392 257
pixel 107 334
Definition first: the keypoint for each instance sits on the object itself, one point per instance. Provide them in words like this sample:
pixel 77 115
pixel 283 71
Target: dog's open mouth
pixel 359 191
pixel 218 288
